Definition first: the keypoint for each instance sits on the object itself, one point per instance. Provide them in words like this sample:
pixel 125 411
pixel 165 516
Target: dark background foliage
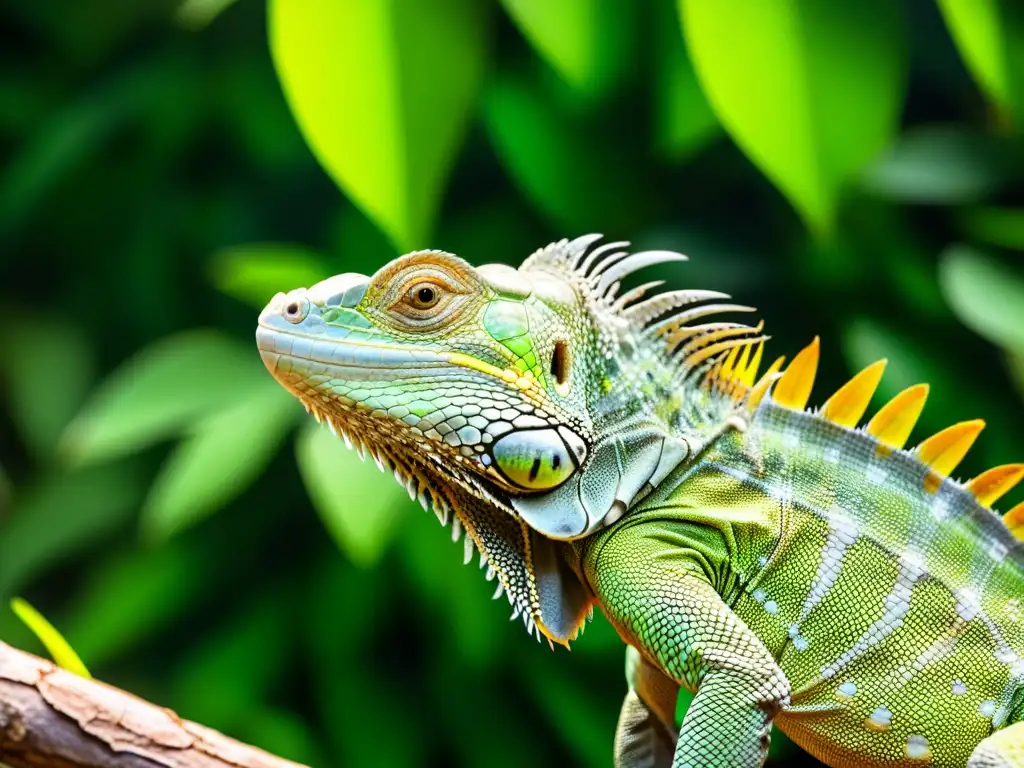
pixel 858 174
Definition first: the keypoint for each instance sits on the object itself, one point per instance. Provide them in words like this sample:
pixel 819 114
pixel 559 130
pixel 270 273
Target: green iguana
pixel 617 448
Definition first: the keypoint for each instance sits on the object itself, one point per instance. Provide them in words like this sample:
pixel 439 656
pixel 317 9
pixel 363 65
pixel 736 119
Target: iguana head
pixel 534 404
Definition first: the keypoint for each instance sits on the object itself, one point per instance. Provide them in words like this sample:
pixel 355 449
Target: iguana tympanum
pixel 617 448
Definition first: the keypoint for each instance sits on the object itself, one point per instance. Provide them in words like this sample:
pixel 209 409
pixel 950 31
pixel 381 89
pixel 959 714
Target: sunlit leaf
pixel 197 14
pixel 160 392
pixel 683 120
pixel 586 41
pixel 47 368
pixel 255 273
pixel 577 177
pixel 987 296
pixel 383 91
pixel 60 651
pixel 62 515
pixel 939 165
pixel 810 91
pixel 990 37
pixel 131 596
pixel 360 506
pixel 225 452
pixel 1002 227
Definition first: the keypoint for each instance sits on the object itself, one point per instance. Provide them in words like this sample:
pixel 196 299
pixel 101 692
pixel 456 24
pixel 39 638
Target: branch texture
pixel 52 718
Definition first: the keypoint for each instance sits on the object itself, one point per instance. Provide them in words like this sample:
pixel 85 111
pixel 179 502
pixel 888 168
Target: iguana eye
pixel 423 296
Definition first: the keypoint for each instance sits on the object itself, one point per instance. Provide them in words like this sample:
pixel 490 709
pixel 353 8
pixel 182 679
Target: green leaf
pixel 683 120
pixel 129 597
pixel 158 393
pixel 810 91
pixel 361 507
pixel 224 454
pixel 990 37
pixel 41 401
pixel 1002 227
pixel 383 91
pixel 987 296
pixel 197 14
pixel 575 175
pixel 60 651
pixel 255 273
pixel 236 662
pixel 586 41
pixel 938 165
pixel 62 515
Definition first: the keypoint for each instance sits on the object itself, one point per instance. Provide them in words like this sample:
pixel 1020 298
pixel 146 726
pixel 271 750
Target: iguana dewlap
pixel 617 448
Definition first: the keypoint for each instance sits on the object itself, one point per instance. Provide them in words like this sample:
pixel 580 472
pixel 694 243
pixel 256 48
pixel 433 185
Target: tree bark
pixel 51 718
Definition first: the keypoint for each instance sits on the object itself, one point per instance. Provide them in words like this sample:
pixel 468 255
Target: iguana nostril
pixel 296 310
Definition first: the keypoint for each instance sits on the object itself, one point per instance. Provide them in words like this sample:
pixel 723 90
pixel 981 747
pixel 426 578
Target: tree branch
pixel 50 718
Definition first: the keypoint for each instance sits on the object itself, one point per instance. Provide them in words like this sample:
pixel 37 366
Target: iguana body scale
pixel 613 448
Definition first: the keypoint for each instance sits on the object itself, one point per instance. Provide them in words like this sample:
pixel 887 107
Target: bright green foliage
pixel 776 74
pixel 342 488
pixel 385 120
pixel 589 42
pixel 986 296
pixel 56 645
pixel 990 36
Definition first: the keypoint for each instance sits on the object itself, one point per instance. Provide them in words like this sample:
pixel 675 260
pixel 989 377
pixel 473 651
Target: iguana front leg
pixel 1003 749
pixel 646 733
pixel 655 590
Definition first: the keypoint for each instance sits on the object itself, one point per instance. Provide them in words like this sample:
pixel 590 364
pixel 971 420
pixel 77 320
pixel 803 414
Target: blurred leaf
pixel 986 296
pixel 224 454
pixel 62 515
pixel 5 494
pixel 866 340
pixel 159 393
pixel 282 733
pixel 564 701
pixel 131 596
pixel 990 36
pixel 47 368
pixel 1003 227
pixel 578 178
pixel 1015 361
pixel 255 273
pixel 938 165
pixel 197 14
pixel 683 120
pixel 473 628
pixel 53 151
pixel 809 90
pixel 383 91
pixel 60 651
pixel 361 507
pixel 235 664
pixel 586 41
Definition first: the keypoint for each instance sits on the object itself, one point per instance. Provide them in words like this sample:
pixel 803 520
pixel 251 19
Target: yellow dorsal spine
pixel 944 450
pixel 763 384
pixel 794 388
pixel 895 420
pixel 993 483
pixel 1014 520
pixel 850 401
